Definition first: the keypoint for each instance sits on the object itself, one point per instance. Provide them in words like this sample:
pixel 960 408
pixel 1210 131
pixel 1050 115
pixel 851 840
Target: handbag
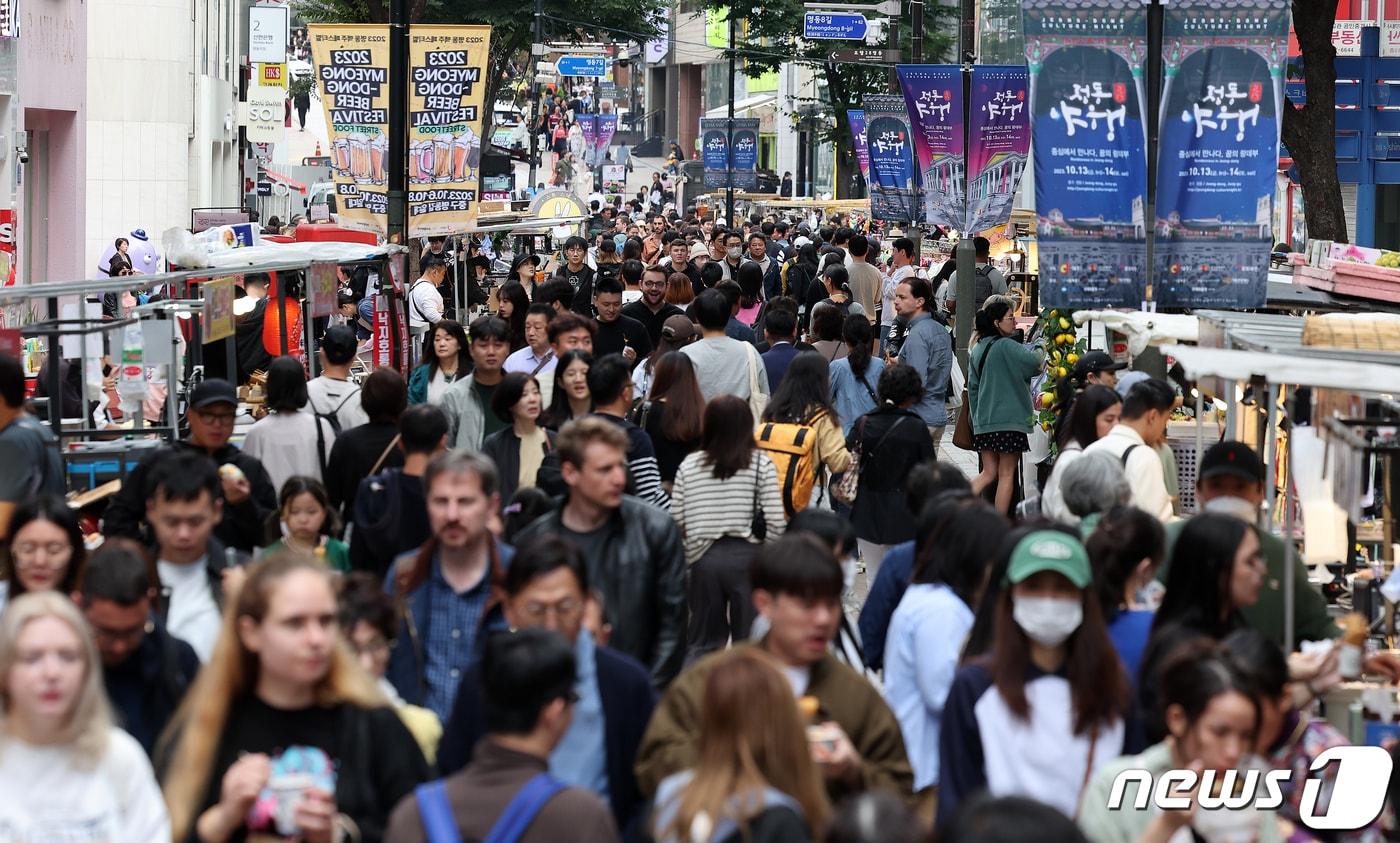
pixel 962 431
pixel 759 526
pixel 845 490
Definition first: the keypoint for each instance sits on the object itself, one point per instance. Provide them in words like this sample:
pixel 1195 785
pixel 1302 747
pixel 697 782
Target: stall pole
pixel 1231 409
pixel 1200 432
pixel 1269 445
pixel 282 312
pixel 52 357
pixel 1288 552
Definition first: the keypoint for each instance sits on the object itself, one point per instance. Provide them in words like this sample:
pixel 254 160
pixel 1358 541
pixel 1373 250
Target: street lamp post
pixel 535 58
pixel 729 131
pixel 398 119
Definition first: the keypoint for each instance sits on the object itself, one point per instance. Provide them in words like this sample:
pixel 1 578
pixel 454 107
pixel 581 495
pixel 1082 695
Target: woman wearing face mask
pixel 571 398
pixel 1045 709
pixel 1093 415
pixel 1212 720
pixel 1215 570
pixel 1126 549
pixel 66 772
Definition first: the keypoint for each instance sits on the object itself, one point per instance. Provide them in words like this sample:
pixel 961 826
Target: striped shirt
pixel 641 463
pixel 707 509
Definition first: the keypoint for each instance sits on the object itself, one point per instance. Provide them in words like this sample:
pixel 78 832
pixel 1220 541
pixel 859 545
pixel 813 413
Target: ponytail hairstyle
pixel 993 310
pixel 858 335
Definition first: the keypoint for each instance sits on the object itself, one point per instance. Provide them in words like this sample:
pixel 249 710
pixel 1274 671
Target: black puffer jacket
pixel 641 575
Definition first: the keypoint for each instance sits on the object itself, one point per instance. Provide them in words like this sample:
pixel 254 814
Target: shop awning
pixel 1328 371
pixel 744 106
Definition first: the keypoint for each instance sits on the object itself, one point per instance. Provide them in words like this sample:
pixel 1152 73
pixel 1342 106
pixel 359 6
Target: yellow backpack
pixel 792 448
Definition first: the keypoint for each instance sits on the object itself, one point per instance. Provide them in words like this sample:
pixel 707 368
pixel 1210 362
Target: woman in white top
pixel 288 441
pixel 1092 416
pixel 720 492
pixel 65 771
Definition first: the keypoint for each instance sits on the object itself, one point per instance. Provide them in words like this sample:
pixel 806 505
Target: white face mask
pixel 1048 620
pixel 1237 507
pixel 735 252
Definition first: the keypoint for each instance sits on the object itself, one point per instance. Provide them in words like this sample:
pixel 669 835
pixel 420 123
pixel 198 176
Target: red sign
pixel 401 317
pixel 8 235
pixel 383 345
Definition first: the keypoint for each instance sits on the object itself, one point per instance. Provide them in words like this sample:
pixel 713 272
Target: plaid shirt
pixel 1302 740
pixel 449 639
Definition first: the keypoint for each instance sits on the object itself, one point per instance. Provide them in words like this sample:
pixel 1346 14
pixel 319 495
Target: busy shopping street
pixel 648 421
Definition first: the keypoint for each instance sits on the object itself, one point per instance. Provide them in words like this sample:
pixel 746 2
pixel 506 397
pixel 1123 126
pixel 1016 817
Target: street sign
pixel 272 75
pixel 867 55
pixel 267 34
pixel 583 66
pixel 841 26
pixel 266 114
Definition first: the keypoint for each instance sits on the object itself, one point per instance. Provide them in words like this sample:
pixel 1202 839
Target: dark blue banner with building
pixel 891 146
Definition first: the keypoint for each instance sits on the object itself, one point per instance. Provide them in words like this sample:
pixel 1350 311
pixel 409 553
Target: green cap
pixel 1050 550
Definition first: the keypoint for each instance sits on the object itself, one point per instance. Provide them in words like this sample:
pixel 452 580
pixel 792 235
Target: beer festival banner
pixel 890 148
pixel 1223 68
pixel 352 68
pixel 855 117
pixel 447 85
pixel 999 142
pixel 933 94
pixel 1087 103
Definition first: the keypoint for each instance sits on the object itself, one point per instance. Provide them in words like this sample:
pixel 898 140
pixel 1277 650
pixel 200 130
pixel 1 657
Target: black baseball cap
pixel 1094 362
pixel 1231 458
pixel 339 343
pixel 213 391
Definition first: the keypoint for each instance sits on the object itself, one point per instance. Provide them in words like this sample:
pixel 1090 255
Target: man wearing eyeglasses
pixel 546 586
pixel 248 495
pixel 652 310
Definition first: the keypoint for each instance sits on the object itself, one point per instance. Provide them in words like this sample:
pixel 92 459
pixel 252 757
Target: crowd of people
pixel 593 571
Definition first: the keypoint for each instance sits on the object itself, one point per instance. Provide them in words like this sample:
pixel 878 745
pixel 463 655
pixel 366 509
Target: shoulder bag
pixel 962 431
pixel 759 526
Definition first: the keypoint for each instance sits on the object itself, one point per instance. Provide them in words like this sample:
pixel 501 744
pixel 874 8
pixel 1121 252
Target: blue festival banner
pixel 714 150
pixel 998 143
pixel 933 94
pixel 855 118
pixel 744 157
pixel 714 146
pixel 1088 113
pixel 891 152
pixel 1218 152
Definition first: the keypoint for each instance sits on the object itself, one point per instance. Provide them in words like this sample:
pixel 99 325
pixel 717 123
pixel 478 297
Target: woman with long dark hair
pixel 1126 548
pixel 999 398
pixel 1093 415
pixel 523 269
pixel 677 332
pixel 800 278
pixel 804 397
pixel 519 449
pixel 671 413
pixel 291 440
pixel 571 399
pixel 855 376
pixel 46 549
pixel 753 778
pixel 1046 708
pixel 450 359
pixel 891 441
pixel 726 503
pixel 1215 570
pixel 513 302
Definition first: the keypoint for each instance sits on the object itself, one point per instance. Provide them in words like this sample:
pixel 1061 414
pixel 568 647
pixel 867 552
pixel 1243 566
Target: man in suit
pixel 780 330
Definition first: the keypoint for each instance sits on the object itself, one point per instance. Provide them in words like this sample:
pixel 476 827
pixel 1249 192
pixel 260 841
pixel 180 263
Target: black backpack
pixel 332 418
pixel 377 514
pixel 982 288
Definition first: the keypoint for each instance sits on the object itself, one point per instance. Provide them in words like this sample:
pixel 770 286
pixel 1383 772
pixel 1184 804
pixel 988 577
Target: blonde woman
pixel 65 771
pixel 283 733
pixel 754 780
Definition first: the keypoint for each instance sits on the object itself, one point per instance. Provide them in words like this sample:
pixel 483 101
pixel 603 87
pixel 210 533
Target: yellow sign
pixel 352 69
pixel 556 204
pixel 272 75
pixel 218 308
pixel 447 87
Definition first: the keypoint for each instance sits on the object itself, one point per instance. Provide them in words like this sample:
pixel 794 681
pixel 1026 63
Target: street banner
pixel 1088 118
pixel 9 235
pixel 588 123
pixel 218 308
pixel 383 339
pixel 998 143
pixel 321 288
pixel 352 67
pixel 855 117
pixel 891 151
pixel 1218 151
pixel 607 127
pixel 933 95
pixel 447 66
pixel 614 178
pixel 714 144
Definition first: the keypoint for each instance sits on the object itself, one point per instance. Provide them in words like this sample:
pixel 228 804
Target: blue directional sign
pixel 583 66
pixel 843 26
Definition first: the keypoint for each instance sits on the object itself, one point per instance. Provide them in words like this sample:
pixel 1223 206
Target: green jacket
pixel 1310 619
pixel 669 745
pixel 998 385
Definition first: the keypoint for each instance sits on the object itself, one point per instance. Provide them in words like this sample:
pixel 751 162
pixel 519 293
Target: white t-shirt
pixel 437 386
pixel 424 306
pixel 193 616
pixel 49 796
pixel 329 393
pixel 887 292
pixel 286 444
pixel 798 677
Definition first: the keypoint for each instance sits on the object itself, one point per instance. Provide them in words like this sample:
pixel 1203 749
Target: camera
pixel 22 155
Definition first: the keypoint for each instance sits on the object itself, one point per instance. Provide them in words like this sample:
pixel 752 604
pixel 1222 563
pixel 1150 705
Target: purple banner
pixel 856 118
pixel 607 126
pixel 589 124
pixel 933 97
pixel 999 143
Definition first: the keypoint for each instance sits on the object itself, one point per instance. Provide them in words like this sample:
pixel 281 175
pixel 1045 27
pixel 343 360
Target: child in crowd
pixel 307 524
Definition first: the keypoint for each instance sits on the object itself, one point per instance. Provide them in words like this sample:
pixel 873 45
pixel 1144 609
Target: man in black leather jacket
pixel 633 549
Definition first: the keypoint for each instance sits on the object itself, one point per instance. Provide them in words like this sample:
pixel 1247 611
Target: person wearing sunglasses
pixel 247 491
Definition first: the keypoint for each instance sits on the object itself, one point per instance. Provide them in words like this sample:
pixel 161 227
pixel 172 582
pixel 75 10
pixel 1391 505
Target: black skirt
pixel 1002 442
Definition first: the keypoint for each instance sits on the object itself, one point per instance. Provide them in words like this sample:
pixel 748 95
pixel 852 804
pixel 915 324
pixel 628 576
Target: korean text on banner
pixel 588 124
pixel 383 339
pixel 352 66
pixel 447 66
pixel 321 287
pixel 999 141
pixel 714 150
pixel 744 156
pixel 891 154
pixel 1088 77
pixel 607 127
pixel 933 94
pixel 1217 157
pixel 855 118
pixel 218 308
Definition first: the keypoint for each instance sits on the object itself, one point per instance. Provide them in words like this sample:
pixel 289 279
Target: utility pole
pixel 536 56
pixel 916 23
pixel 965 254
pixel 729 130
pixel 398 120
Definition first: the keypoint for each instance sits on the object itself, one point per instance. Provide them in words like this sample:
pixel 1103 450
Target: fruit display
pixel 1063 348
